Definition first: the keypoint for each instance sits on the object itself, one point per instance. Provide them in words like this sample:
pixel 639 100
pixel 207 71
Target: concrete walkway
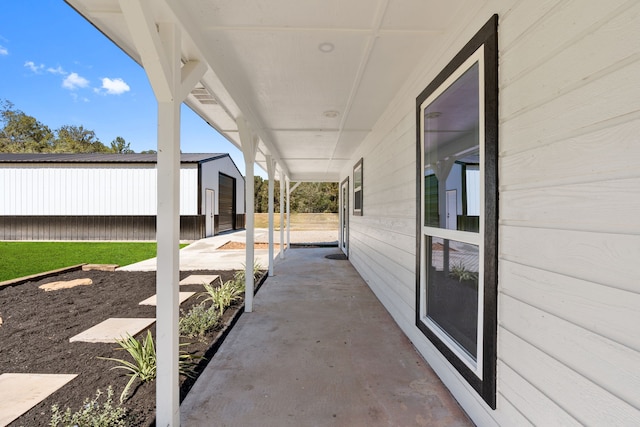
pixel 318 350
pixel 203 254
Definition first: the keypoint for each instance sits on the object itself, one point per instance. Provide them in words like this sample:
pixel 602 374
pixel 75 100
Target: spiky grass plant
pixel 460 272
pixel 221 296
pixel 144 363
pixel 240 275
pixel 92 414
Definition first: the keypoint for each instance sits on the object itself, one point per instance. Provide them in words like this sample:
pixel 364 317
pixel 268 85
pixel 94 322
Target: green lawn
pixel 301 221
pixel 18 259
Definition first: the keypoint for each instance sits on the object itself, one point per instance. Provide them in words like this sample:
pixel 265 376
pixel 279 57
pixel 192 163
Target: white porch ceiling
pixel 310 108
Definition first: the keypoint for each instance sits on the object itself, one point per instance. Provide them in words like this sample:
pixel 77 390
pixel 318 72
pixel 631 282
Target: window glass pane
pixel 452 290
pixel 473 190
pixel 451 149
pixel 357 177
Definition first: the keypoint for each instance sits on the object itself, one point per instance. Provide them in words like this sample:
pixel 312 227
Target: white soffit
pixel 311 77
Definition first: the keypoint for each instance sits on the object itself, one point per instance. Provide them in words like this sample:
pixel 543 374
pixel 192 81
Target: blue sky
pixel 58 68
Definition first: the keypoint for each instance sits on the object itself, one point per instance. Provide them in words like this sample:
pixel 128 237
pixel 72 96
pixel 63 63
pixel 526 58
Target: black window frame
pixel 486 37
pixel 358 169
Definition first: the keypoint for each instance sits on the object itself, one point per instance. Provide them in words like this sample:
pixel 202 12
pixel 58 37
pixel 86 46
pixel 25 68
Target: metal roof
pixel 102 158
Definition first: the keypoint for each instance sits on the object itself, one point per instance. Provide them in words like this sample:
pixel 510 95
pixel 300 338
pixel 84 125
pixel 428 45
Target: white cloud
pixel 74 81
pixel 114 86
pixel 33 67
pixel 57 70
pixel 3 50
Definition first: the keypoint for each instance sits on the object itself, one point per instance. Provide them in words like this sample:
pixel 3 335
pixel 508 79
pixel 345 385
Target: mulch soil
pixel 36 327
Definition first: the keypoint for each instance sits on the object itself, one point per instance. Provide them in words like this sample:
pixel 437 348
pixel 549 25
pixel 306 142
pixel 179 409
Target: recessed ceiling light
pixel 326 47
pixel 331 114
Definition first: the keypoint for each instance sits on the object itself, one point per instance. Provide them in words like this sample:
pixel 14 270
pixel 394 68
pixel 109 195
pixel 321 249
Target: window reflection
pixel 452 156
pixel 452 295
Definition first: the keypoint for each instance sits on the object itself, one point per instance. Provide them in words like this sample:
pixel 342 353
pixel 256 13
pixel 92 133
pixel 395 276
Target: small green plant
pixel 223 295
pixel 198 321
pixel 143 366
pixel 239 275
pixel 220 296
pixel 92 414
pixel 461 273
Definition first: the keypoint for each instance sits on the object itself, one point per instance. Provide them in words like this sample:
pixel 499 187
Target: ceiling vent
pixel 203 96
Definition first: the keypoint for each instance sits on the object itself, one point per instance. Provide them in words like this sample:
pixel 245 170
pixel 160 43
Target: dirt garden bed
pixel 36 327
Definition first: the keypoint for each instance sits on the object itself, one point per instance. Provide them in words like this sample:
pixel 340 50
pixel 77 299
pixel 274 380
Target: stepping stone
pixel 152 300
pixel 100 267
pixel 199 279
pixel 54 286
pixel 113 329
pixel 21 392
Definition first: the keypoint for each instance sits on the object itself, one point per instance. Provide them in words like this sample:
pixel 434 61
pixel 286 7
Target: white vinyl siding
pixel 46 189
pixel 569 235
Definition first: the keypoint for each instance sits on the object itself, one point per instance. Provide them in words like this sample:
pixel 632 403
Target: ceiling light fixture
pixel 326 47
pixel 331 114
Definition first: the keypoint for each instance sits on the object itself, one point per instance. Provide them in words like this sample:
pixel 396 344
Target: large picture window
pixel 457 122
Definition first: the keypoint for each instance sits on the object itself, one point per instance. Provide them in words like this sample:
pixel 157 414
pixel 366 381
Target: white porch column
pixel 249 147
pixel 271 172
pixel 288 215
pixel 160 50
pixel 282 178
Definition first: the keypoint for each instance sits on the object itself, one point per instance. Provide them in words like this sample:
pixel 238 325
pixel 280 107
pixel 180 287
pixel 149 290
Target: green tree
pixel 22 133
pixel 120 146
pixel 308 197
pixel 77 139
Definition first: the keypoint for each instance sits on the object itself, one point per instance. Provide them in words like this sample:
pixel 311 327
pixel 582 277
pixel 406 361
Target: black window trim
pixel 359 197
pixel 487 36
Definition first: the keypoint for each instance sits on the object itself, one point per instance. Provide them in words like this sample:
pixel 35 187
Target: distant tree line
pixel 21 133
pixel 308 197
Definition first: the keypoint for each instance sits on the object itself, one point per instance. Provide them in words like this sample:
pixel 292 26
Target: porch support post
pixel 271 172
pixel 288 215
pixel 160 50
pixel 249 143
pixel 282 178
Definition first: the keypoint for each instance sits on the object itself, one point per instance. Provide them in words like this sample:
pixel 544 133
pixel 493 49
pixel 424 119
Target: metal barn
pixel 113 196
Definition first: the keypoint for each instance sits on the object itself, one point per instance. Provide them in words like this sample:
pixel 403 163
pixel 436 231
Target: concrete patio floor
pixel 318 350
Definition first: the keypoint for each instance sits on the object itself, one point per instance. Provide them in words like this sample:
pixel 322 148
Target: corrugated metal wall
pixel 120 227
pixel 45 189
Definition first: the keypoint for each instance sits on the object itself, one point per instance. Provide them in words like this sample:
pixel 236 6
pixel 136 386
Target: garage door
pixel 226 203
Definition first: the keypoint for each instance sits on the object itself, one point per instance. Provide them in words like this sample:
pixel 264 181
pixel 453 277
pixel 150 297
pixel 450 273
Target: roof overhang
pixel 311 78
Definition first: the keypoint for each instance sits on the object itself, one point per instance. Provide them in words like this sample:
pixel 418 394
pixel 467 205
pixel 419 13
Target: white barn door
pixel 210 209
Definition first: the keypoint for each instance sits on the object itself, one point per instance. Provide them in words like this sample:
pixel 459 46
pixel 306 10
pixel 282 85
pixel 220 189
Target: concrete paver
pixel 199 279
pixel 153 300
pixel 21 392
pixel 113 329
pixel 319 349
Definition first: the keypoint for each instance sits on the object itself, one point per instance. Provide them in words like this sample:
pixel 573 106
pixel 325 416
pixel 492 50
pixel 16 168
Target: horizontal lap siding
pixel 382 241
pixel 569 237
pixel 568 341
